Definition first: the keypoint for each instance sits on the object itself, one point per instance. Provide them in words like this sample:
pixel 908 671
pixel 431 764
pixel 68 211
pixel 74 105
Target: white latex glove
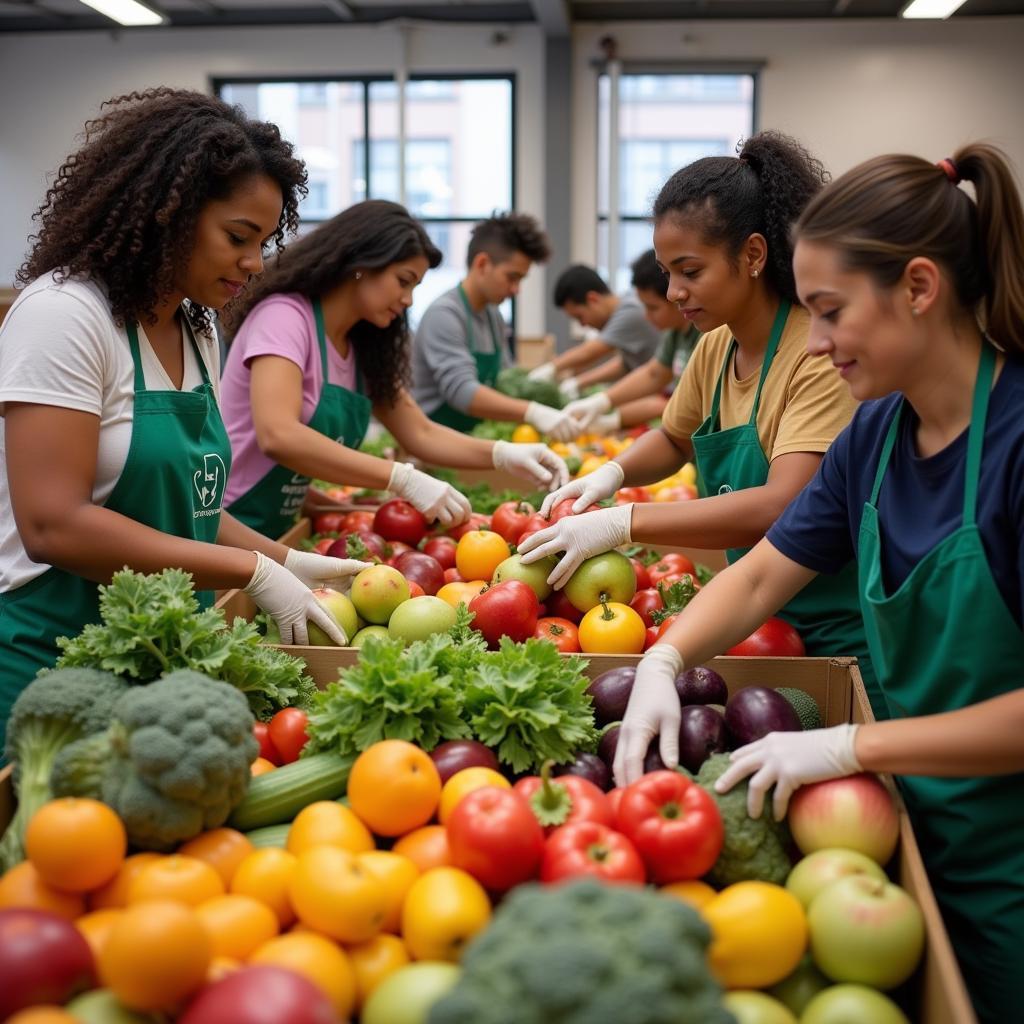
pixel 553 422
pixel 580 537
pixel 653 710
pixel 290 603
pixel 316 570
pixel 545 373
pixel 569 388
pixel 608 423
pixel 434 498
pixel 586 410
pixel 596 486
pixel 789 760
pixel 534 462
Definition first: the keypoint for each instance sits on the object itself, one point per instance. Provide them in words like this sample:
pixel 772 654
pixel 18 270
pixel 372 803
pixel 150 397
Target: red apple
pixel 823 867
pixel 443 549
pixel 418 567
pixel 856 813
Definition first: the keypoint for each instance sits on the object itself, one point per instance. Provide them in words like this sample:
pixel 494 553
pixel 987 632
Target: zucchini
pixel 269 835
pixel 277 796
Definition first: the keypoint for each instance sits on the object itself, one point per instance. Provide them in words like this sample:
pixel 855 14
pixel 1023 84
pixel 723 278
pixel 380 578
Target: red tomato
pixel 564 508
pixel 775 639
pixel 506 609
pixel 645 603
pixel 561 632
pixel 453 575
pixel 443 549
pixel 358 522
pixel 398 520
pixel 415 590
pixel 665 625
pixel 534 524
pixel 652 637
pixel 399 548
pixel 321 547
pixel 374 543
pixel 643 577
pixel 493 834
pixel 569 798
pixel 673 562
pixel 638 431
pixel 674 825
pixel 614 798
pixel 329 522
pixel 587 848
pixel 476 521
pixel 288 733
pixel 560 607
pixel 510 519
pixel 267 749
pixel 626 495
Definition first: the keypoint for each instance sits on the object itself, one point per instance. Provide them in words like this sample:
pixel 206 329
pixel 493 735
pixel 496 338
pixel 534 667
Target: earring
pixel 359 274
pixel 755 272
pixel 914 311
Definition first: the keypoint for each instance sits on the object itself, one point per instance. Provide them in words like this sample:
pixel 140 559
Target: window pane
pixel 635 237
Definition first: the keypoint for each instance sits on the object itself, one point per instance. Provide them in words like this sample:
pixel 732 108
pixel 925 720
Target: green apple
pixel 419 618
pixel 535 575
pixel 101 1006
pixel 822 867
pixel 796 990
pixel 366 633
pixel 407 996
pixel 750 1007
pixel 852 1004
pixel 609 577
pixel 377 592
pixel 341 609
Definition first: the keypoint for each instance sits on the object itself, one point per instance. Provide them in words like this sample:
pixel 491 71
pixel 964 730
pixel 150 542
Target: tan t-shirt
pixel 804 403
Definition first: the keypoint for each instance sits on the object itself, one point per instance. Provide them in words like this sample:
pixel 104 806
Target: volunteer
pixel 113 449
pixel 642 394
pixel 753 408
pixel 323 344
pixel 622 340
pixel 925 492
pixel 460 347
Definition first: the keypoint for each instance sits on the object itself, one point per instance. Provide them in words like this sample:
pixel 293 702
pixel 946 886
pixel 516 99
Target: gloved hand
pixel 788 760
pixel 579 537
pixel 434 498
pixel 553 422
pixel 569 388
pixel 320 571
pixel 653 710
pixel 545 373
pixel 586 410
pixel 290 603
pixel 534 462
pixel 608 423
pixel 596 486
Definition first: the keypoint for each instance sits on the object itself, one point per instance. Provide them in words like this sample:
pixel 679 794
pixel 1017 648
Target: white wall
pixel 847 89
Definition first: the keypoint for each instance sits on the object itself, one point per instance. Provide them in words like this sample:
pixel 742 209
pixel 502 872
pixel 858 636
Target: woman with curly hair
pixel 754 410
pixel 321 342
pixel 113 449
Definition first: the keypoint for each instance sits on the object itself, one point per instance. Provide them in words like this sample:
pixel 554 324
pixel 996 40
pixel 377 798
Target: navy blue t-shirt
pixel 921 499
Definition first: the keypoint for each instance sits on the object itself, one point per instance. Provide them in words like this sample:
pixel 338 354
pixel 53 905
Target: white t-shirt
pixel 59 346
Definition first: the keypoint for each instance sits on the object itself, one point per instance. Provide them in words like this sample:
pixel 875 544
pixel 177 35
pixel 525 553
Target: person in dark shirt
pixel 899 269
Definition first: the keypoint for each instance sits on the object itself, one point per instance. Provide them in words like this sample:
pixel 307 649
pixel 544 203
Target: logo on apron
pixel 209 484
pixel 725 489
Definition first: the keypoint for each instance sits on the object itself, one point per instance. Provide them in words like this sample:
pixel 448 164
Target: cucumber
pixel 269 835
pixel 277 796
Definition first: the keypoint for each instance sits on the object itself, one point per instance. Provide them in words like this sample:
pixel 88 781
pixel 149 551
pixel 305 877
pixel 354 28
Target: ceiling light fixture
pixel 930 8
pixel 126 12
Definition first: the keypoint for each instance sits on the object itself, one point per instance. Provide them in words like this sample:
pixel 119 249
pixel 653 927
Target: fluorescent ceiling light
pixel 930 8
pixel 126 12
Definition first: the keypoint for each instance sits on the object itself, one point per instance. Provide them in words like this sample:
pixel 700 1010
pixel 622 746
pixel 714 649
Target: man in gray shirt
pixel 623 333
pixel 459 346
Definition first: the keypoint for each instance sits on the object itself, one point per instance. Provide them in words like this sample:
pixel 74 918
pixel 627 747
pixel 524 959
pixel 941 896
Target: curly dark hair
pixel 371 235
pixel 123 209
pixel 502 234
pixel 762 191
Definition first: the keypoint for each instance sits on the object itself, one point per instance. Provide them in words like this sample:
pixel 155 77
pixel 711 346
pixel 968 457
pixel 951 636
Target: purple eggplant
pixel 755 711
pixel 701 685
pixel 589 767
pixel 702 733
pixel 608 745
pixel 610 692
pixel 453 756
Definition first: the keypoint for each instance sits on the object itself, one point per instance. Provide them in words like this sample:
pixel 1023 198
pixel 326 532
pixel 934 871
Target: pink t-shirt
pixel 280 325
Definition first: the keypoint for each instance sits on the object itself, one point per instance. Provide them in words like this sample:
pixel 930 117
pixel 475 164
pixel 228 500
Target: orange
pixel 373 961
pixel 42 1015
pixel 22 887
pixel 76 845
pixel 265 875
pixel 479 553
pixel 444 909
pixel 317 959
pixel 222 848
pixel 427 847
pixel 333 893
pixel 330 823
pixel 95 926
pixel 185 879
pixel 261 766
pixel 394 787
pixel 397 873
pixel 115 892
pixel 221 967
pixel 696 893
pixel 463 783
pixel 237 924
pixel 525 434
pixel 157 953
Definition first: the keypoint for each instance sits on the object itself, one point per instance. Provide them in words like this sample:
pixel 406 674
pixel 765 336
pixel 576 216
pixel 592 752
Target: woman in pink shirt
pixel 319 343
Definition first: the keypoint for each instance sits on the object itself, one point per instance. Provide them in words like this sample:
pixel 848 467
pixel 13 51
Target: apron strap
pixel 133 343
pixel 470 336
pixel 976 433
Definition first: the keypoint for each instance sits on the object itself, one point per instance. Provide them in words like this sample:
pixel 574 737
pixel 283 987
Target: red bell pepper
pixel 674 825
pixel 564 800
pixel 587 848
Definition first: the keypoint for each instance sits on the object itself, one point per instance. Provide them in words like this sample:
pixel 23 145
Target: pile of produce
pixel 515 382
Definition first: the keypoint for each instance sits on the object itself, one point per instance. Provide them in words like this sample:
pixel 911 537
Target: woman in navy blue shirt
pixel 915 294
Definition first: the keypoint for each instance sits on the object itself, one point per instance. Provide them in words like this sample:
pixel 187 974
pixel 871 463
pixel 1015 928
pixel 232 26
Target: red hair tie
pixel 950 168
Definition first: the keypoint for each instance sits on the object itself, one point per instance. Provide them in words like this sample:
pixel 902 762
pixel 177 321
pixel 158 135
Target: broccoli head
pixel 754 848
pixel 587 953
pixel 54 710
pixel 174 761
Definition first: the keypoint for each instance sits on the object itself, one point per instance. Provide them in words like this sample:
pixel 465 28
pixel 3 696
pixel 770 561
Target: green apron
pixel 945 640
pixel 488 365
pixel 271 505
pixel 173 480
pixel 826 613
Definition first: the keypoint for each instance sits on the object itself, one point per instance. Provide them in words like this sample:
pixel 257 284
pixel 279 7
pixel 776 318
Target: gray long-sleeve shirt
pixel 443 367
pixel 630 332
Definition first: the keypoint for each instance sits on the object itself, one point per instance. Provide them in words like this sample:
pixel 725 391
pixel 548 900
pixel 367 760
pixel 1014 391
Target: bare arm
pixel 610 369
pixel 652 457
pixel 580 356
pixel 489 404
pixel 235 534
pixel 51 468
pixel 650 379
